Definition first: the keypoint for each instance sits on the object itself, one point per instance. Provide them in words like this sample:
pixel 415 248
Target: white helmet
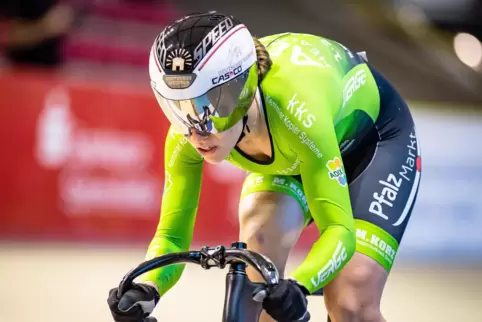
pixel 203 72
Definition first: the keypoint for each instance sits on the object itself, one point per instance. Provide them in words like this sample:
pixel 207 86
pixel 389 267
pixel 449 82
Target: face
pixel 214 148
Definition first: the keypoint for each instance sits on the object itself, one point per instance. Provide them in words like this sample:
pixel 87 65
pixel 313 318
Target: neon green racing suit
pixel 315 94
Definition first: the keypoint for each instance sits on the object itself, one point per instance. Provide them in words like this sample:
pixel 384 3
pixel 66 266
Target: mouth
pixel 205 151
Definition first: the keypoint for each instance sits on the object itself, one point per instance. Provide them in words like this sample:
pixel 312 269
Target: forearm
pixel 173 234
pixel 182 187
pixel 165 277
pixel 329 254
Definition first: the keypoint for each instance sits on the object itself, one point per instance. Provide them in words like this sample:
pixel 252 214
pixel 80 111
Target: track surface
pixel 70 283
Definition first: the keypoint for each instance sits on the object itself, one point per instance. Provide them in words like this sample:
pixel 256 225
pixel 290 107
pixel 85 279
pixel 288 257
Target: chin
pixel 213 159
pixel 216 158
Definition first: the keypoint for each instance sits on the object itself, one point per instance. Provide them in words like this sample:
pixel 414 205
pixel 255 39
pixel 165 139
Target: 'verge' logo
pixel 336 261
pixel 354 84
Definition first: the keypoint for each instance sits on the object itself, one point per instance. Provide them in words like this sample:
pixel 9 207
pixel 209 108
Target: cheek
pixel 225 141
pixel 230 137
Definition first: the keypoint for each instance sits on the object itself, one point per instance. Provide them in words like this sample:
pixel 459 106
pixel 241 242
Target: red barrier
pixel 84 161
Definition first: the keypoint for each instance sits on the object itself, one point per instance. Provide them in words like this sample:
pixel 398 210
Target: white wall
pixel 447 220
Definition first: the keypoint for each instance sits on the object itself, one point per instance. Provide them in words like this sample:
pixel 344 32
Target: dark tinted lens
pixel 224 98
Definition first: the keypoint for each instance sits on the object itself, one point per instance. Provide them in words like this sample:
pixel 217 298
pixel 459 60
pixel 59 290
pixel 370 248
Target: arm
pixel 330 207
pixel 326 189
pixel 183 171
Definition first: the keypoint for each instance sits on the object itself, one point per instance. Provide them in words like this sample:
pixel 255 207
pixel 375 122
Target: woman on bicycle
pixel 326 140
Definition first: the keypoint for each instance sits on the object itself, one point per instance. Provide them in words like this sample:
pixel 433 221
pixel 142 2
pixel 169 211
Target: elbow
pixel 337 244
pixel 346 243
pixel 350 244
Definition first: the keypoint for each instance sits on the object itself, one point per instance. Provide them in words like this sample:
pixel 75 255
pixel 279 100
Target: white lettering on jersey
pixel 336 261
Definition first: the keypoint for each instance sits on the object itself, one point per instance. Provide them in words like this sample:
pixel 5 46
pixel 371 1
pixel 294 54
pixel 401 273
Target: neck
pixel 256 143
pixel 256 119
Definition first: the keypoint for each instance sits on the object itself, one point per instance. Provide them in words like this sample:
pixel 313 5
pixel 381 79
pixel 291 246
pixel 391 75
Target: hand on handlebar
pixel 135 305
pixel 284 302
pixel 282 299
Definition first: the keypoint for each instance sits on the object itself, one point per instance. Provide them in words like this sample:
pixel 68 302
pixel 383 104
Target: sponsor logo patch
pixel 336 171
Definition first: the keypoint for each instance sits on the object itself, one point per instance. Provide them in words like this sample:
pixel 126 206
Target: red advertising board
pixel 84 161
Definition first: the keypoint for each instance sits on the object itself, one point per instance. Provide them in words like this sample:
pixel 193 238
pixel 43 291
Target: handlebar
pixel 207 257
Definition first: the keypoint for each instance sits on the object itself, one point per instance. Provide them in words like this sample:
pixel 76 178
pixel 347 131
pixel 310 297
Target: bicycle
pixel 239 303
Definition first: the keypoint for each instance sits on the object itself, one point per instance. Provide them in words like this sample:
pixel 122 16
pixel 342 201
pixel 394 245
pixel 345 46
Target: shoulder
pixel 290 39
pixel 301 59
pixel 313 69
pixel 311 55
pixel 301 80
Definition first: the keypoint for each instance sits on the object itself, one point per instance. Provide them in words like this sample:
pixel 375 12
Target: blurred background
pixel 82 157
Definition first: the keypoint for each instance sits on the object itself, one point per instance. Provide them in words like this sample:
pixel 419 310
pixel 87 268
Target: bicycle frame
pixel 239 305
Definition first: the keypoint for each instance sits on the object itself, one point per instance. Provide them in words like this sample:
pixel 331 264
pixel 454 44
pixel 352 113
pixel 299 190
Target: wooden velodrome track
pixel 58 283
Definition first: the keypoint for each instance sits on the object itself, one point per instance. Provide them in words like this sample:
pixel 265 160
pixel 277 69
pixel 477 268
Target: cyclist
pixel 325 139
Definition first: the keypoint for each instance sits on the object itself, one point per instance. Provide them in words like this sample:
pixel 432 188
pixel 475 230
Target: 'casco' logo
pixel 227 75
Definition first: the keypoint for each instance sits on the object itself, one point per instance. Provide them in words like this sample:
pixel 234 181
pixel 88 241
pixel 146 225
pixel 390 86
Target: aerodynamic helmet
pixel 203 72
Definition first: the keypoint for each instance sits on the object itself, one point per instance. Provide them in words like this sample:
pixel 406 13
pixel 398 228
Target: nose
pixel 199 136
